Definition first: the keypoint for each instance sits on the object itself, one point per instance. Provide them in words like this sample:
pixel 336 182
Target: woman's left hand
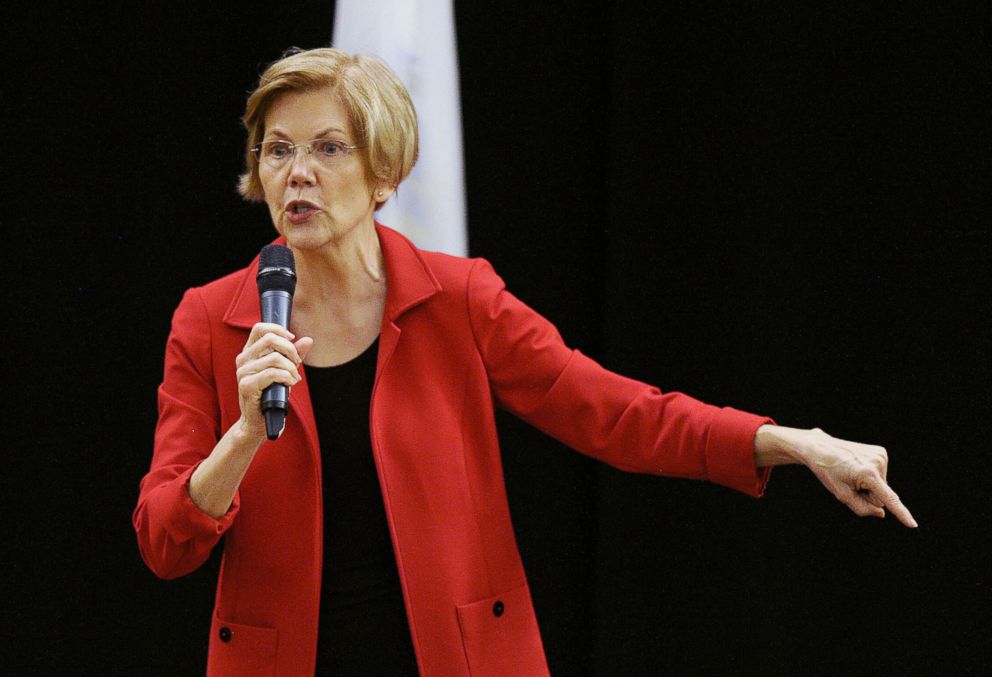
pixel 853 472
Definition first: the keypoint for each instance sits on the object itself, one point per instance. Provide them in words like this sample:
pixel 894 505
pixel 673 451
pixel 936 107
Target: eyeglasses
pixel 278 154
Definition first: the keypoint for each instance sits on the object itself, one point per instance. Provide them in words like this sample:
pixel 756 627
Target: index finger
pixel 895 505
pixel 262 328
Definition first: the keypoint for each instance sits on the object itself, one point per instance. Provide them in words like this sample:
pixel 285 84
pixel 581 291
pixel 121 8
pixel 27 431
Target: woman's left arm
pixel 853 472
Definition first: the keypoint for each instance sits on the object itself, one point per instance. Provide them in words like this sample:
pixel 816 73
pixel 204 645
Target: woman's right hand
pixel 269 356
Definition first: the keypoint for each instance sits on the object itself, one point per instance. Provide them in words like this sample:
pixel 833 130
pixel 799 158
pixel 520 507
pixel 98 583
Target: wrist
pixel 244 438
pixel 778 445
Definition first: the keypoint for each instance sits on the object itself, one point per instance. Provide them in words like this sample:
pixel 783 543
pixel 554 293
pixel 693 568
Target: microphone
pixel 276 285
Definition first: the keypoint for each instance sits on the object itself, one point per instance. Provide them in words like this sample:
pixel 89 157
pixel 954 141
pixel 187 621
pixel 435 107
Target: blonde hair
pixel 379 109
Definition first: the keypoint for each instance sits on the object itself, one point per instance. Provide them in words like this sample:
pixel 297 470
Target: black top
pixel 363 624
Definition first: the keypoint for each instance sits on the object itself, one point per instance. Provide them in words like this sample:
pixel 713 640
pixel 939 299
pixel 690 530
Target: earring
pixel 379 193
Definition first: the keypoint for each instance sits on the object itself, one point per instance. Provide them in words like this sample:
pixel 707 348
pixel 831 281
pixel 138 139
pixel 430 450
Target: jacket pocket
pixel 237 649
pixel 500 635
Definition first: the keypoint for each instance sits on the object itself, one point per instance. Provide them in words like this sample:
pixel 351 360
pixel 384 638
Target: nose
pixel 300 169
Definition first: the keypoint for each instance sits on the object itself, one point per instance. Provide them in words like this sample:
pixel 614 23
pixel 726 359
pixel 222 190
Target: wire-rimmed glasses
pixel 279 153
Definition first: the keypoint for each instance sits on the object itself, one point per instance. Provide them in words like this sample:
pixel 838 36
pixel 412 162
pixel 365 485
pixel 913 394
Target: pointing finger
pixel 894 504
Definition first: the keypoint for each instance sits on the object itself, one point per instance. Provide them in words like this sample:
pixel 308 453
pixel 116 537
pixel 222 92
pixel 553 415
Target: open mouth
pixel 300 210
pixel 300 206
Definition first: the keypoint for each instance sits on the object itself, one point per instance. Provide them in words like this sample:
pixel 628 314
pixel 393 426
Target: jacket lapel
pixel 409 282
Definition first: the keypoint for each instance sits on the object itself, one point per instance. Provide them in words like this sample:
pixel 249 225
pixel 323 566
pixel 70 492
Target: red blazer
pixel 453 344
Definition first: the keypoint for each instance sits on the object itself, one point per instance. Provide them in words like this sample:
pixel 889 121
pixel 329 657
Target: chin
pixel 306 241
pixel 311 237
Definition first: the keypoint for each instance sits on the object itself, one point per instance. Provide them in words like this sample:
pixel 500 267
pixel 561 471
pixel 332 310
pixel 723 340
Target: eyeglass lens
pixel 325 151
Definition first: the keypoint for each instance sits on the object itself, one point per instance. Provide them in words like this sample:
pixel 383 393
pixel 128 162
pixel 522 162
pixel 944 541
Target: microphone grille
pixel 276 269
pixel 276 256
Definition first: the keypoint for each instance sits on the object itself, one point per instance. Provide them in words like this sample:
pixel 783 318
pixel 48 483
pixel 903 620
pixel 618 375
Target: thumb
pixel 303 346
pixel 858 503
pixel 862 506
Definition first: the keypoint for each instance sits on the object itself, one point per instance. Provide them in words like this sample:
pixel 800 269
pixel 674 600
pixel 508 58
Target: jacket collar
pixel 409 281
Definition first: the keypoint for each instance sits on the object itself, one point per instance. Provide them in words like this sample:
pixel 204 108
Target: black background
pixel 778 209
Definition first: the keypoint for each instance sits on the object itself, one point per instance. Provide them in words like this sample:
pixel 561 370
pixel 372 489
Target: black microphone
pixel 276 285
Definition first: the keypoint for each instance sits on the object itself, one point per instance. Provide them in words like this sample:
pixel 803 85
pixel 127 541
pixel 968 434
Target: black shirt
pixel 363 625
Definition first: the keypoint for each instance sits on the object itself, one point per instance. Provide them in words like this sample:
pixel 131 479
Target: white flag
pixel 416 38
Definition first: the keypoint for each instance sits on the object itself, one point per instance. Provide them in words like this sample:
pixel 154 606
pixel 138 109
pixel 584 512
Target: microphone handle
pixel 276 308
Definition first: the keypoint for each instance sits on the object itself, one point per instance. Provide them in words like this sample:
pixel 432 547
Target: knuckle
pixel 868 477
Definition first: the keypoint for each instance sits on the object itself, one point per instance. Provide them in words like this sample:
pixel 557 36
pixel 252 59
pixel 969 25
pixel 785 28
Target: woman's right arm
pixel 178 520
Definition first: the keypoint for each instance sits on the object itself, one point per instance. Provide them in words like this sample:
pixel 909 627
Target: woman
pixel 375 530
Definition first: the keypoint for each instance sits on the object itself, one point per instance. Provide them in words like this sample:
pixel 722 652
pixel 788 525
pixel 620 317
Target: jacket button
pixel 225 634
pixel 498 609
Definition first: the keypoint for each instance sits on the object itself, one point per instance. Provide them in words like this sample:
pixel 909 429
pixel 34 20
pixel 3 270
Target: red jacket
pixel 453 344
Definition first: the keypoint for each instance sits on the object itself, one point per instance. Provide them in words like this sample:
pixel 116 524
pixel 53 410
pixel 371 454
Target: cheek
pixel 268 180
pixel 350 190
pixel 270 194
pixel 273 209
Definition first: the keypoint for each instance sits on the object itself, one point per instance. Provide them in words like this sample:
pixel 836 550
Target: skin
pixel 340 298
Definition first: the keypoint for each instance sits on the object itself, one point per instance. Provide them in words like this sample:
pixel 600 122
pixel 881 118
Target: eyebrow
pixel 320 135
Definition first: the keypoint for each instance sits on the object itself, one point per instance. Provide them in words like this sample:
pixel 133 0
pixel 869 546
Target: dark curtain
pixel 772 208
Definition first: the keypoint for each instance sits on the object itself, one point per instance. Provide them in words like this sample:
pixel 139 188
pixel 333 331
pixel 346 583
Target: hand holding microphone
pixel 269 363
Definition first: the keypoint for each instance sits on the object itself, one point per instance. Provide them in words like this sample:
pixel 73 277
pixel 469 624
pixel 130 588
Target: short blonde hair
pixel 379 108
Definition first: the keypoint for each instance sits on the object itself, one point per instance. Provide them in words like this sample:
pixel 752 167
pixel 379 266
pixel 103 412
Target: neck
pixel 349 269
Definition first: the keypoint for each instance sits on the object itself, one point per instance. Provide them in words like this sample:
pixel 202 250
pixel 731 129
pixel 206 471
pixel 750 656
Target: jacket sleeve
pixel 623 422
pixel 174 535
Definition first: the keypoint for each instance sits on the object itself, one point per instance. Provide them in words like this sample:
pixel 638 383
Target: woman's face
pixel 313 204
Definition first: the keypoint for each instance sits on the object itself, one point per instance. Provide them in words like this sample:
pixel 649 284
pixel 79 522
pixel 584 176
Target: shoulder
pixel 455 271
pixel 215 300
pixel 449 271
pixel 466 282
pixel 445 276
pixel 218 294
